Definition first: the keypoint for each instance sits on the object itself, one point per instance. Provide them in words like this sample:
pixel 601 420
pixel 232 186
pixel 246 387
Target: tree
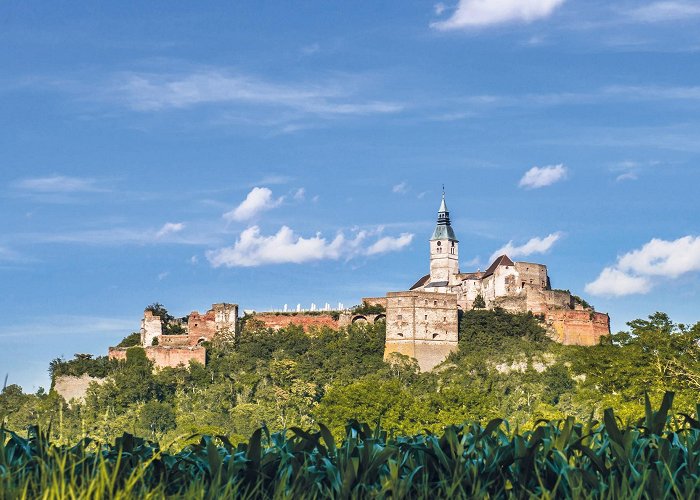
pixel 479 302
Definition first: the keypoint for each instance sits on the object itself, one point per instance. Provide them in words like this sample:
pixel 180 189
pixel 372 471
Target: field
pixel 657 457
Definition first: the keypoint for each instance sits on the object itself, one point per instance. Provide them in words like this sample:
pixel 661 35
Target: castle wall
pixel 575 327
pixel 375 301
pixel 221 318
pixel 70 387
pixel 174 340
pixel 151 327
pixel 306 321
pixel 422 325
pixel 163 356
pixel 532 275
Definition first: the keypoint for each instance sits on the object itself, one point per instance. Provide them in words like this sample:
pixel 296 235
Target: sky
pixel 271 153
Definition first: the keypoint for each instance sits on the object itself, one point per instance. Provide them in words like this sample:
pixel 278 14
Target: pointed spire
pixel 443 230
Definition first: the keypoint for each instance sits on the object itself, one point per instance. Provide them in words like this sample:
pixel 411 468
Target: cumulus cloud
pixel 258 200
pixel 636 271
pixel 57 184
pixel 613 282
pixel 400 188
pixel 476 13
pixel 170 228
pixel 390 244
pixel 533 246
pixel 299 194
pixel 538 177
pixel 666 11
pixel 255 249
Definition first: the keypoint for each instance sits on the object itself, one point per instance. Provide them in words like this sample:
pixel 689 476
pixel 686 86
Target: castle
pixel 422 322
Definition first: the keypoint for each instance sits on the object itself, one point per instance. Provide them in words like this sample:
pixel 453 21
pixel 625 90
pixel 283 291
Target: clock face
pixel 439 243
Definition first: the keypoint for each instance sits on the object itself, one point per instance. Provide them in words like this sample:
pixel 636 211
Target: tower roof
pixel 443 229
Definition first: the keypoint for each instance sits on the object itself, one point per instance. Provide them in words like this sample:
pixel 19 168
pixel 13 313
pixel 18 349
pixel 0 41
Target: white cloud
pixel 613 282
pixel 533 245
pixel 664 258
pixel 57 184
pixel 627 176
pixel 666 11
pixel 439 8
pixel 538 177
pixel 258 200
pixel 400 188
pixel 299 194
pixel 170 228
pixel 475 13
pixel 634 271
pixel 153 92
pixel 255 249
pixel 390 244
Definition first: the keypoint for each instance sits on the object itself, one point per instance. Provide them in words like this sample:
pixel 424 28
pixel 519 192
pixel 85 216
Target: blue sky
pixel 294 152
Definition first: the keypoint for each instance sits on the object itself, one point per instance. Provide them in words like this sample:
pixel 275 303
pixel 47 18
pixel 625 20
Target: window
pixel 435 335
pixel 439 243
pixel 426 317
pixel 444 302
pixel 434 302
pixel 399 317
pixel 426 302
pixel 400 334
pixel 444 318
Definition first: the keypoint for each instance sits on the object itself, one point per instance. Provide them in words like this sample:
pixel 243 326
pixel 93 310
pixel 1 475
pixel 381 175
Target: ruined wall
pixel 422 325
pixel 201 325
pixel 70 387
pixel 166 356
pixel 306 321
pixel 347 319
pixel 151 327
pixel 532 275
pixel 575 327
pixel 375 301
pixel 515 303
pixel 174 340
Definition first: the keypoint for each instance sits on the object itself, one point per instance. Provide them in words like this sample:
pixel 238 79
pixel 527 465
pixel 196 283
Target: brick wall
pixel 307 321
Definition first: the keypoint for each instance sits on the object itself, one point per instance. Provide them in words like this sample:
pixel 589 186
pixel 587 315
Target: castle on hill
pixel 421 322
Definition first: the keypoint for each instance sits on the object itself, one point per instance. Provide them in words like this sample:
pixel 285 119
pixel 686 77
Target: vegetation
pixel 479 302
pixel 658 457
pixel 505 367
pixel 367 308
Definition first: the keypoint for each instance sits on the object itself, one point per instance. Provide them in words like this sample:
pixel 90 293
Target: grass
pixel 659 457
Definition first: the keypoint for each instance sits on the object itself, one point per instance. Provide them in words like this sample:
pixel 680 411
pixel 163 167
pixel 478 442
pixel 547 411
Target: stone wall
pixel 166 356
pixel 532 275
pixel 422 325
pixel 219 319
pixel 306 321
pixel 375 301
pixel 151 327
pixel 70 387
pixel 174 340
pixel 575 327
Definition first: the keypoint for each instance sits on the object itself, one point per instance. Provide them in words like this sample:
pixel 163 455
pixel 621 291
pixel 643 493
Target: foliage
pixel 131 340
pixel 81 364
pixel 658 457
pixel 479 302
pixel 367 308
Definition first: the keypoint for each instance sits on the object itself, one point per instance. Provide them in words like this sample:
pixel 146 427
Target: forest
pixel 506 367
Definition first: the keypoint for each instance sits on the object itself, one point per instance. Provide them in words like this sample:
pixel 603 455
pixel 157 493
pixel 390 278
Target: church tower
pixel 444 254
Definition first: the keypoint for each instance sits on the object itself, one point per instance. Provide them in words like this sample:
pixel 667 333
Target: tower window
pixel 426 317
pixel 434 302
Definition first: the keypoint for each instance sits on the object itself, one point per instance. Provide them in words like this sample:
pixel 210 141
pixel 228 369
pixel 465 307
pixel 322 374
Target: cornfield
pixel 658 457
